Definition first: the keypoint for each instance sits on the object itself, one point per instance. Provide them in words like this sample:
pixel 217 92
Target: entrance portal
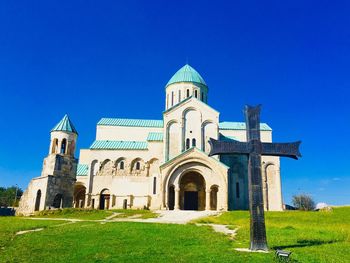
pixel 57 201
pixel 79 196
pixel 37 200
pixel 104 199
pixel 192 191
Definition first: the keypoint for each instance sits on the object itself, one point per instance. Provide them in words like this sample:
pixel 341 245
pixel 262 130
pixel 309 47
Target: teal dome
pixel 187 74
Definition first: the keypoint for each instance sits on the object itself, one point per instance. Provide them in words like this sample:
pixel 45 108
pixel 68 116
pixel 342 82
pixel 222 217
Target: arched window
pixel 196 93
pixel 54 145
pixel 121 165
pixel 193 142
pixel 179 96
pixel 63 146
pixel 188 93
pixel 172 98
pixel 138 166
pixel 187 143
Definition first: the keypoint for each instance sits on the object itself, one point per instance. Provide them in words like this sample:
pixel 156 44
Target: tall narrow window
pixel 121 165
pixel 196 93
pixel 188 93
pixel 63 146
pixel 54 146
pixel 179 96
pixel 154 185
pixel 138 166
pixel 172 98
pixel 202 96
pixel 187 144
pixel 193 142
pixel 237 190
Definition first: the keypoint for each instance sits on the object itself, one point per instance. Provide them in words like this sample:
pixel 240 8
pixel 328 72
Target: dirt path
pixel 165 217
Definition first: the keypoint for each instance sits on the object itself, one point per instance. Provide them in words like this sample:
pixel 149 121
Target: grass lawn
pixel 311 236
pixel 91 214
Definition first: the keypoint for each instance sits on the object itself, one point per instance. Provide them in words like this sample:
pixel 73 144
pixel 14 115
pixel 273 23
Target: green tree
pixel 303 202
pixel 8 196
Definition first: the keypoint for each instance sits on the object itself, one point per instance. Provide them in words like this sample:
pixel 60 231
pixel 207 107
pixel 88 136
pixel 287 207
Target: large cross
pixel 254 148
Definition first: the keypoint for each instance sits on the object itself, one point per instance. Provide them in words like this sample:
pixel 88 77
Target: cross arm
pixel 220 147
pixel 282 149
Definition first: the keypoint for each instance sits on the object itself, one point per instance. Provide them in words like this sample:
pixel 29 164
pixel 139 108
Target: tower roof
pixel 65 125
pixel 187 74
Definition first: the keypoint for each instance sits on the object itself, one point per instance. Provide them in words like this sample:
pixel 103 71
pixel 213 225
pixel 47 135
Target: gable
pixel 191 103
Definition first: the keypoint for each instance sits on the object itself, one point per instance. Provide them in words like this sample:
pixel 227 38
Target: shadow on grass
pixel 306 243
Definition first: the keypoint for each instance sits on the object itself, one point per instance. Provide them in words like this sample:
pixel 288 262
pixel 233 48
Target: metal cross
pixel 254 148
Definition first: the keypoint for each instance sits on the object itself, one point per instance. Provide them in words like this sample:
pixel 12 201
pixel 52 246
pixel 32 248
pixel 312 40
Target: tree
pixel 8 196
pixel 303 202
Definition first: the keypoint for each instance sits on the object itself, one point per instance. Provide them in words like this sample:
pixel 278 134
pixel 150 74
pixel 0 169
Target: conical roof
pixel 65 125
pixel 187 74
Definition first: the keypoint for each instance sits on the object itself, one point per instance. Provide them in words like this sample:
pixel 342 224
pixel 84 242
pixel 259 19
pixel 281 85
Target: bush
pixel 8 196
pixel 303 202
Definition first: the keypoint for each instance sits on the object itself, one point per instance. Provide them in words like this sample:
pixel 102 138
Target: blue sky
pixel 94 59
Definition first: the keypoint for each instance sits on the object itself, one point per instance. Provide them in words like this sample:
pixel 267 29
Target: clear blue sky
pixel 94 59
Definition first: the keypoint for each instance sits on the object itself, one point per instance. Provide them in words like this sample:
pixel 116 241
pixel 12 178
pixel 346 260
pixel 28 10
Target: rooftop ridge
pixel 131 122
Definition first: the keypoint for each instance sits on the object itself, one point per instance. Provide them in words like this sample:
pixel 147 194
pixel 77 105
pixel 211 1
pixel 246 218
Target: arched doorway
pixel 57 201
pixel 79 196
pixel 104 199
pixel 214 197
pixel 37 201
pixel 192 191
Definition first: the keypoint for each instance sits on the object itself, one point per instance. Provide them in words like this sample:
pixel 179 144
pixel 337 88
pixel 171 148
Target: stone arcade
pixel 155 164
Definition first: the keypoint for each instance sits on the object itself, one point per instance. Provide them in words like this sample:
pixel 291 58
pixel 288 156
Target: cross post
pixel 254 148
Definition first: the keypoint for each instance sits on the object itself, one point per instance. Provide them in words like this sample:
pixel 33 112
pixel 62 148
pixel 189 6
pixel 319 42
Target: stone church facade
pixel 158 164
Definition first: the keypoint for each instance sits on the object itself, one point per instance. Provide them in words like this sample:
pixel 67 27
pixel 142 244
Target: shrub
pixel 303 202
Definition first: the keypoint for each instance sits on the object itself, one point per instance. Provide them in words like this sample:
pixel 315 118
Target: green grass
pixel 311 236
pixel 10 225
pixel 91 214
pixel 143 214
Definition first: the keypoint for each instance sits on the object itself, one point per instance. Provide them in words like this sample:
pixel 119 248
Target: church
pixel 154 164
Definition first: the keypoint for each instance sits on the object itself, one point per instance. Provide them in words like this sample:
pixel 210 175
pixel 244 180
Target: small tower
pixel 54 188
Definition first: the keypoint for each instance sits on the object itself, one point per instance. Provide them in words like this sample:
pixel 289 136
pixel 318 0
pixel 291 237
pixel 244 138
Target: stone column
pixel 177 199
pixel 207 200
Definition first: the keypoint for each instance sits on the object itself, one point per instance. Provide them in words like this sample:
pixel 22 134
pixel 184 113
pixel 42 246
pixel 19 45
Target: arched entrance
pixel 37 200
pixel 214 197
pixel 104 199
pixel 192 191
pixel 171 197
pixel 79 196
pixel 57 201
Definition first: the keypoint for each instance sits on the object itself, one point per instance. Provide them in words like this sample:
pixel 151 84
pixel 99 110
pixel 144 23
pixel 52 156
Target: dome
pixel 186 74
pixel 65 125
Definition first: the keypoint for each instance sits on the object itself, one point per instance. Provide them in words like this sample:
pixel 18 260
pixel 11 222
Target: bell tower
pixel 54 187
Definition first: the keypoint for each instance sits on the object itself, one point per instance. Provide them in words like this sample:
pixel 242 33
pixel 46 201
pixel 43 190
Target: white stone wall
pixel 124 133
pixel 241 135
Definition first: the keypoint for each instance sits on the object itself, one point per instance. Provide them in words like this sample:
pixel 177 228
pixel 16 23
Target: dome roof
pixel 65 125
pixel 187 74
